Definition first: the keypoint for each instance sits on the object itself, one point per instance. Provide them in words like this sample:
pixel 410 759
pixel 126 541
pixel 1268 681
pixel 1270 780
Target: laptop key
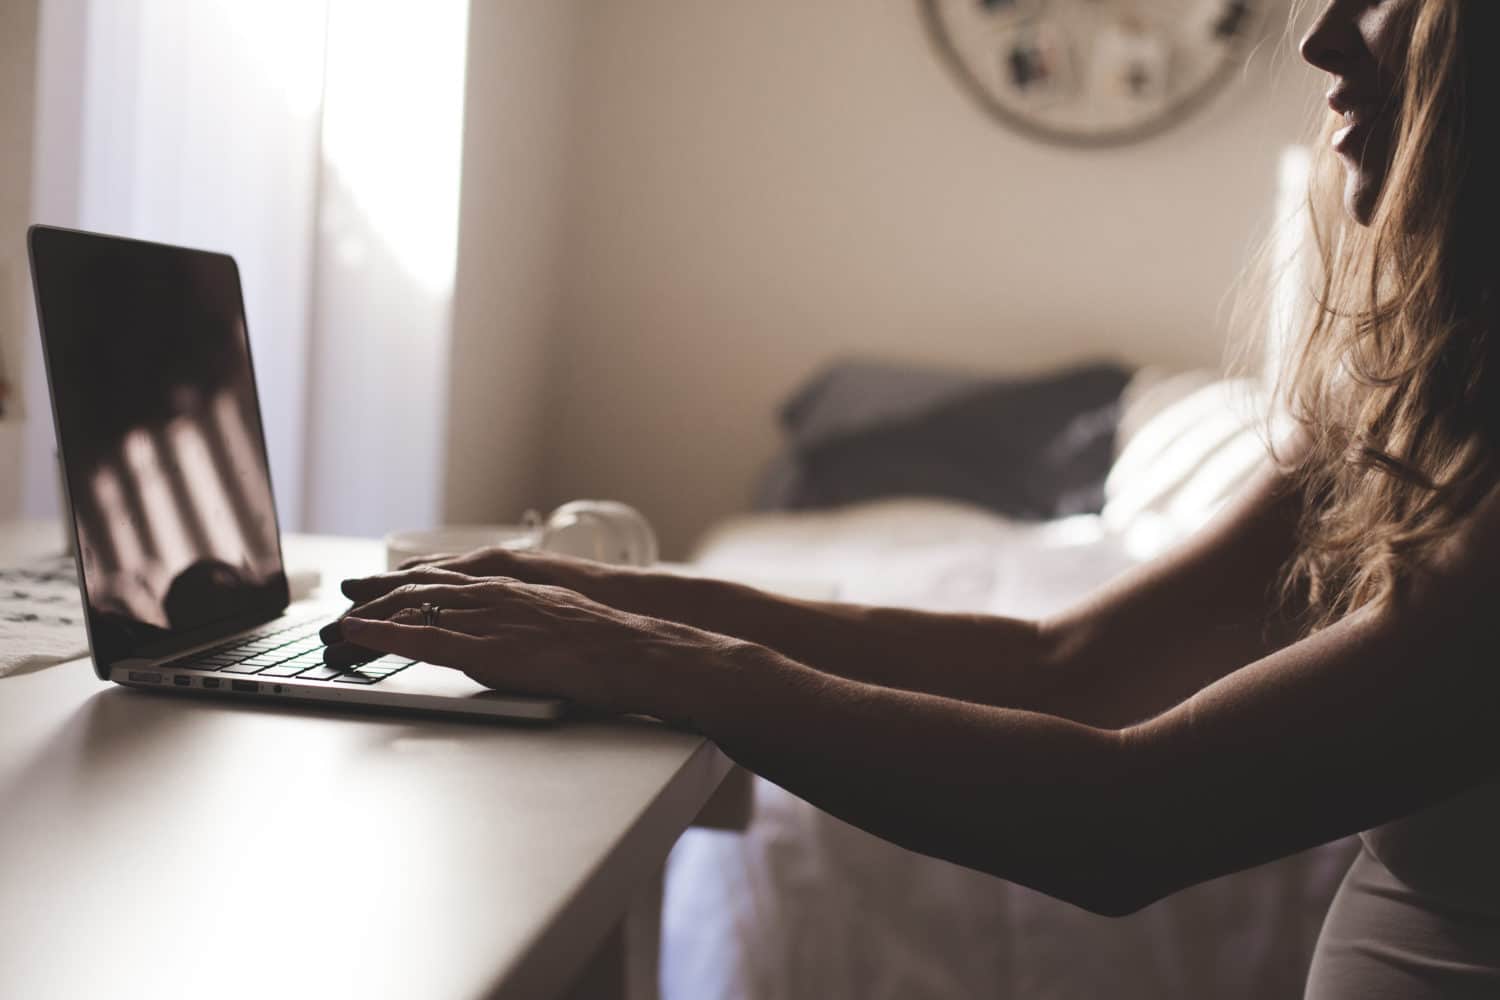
pixel 244 668
pixel 288 669
pixel 303 661
pixel 321 672
pixel 356 677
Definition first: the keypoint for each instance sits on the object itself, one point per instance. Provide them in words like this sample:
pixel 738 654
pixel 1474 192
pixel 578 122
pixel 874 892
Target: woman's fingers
pixel 472 656
pixel 367 588
pixel 469 621
pixel 427 643
pixel 343 655
pixel 454 591
pixel 527 567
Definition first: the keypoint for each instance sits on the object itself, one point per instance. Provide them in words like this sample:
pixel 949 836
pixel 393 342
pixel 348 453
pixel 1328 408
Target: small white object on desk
pixel 303 582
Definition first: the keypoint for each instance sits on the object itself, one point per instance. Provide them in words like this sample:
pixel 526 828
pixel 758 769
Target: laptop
pixel 167 481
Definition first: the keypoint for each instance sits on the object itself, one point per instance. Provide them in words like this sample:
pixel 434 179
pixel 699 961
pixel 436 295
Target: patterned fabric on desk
pixel 41 617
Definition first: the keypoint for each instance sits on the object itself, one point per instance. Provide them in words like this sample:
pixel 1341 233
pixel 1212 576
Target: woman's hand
pixel 530 639
pixel 631 589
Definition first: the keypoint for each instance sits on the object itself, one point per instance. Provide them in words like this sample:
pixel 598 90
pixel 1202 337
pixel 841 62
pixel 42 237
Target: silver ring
pixel 430 614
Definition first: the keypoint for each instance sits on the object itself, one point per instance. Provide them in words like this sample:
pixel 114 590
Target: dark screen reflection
pixel 160 432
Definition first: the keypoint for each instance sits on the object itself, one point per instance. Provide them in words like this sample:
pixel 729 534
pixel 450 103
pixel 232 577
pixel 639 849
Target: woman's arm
pixel 1367 722
pixel 1188 618
pixel 1389 710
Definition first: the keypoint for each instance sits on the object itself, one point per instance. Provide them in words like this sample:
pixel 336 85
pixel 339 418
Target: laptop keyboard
pixel 287 650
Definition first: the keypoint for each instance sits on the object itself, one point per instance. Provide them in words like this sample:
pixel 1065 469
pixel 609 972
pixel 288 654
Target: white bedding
pixel 803 905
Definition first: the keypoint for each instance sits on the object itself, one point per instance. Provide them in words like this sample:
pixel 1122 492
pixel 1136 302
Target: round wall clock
pixel 1091 72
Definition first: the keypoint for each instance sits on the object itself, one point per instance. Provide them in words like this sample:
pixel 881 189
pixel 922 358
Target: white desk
pixel 162 846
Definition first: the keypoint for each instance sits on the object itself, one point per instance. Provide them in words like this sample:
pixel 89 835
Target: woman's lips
pixel 1344 99
pixel 1361 107
pixel 1358 119
pixel 1350 140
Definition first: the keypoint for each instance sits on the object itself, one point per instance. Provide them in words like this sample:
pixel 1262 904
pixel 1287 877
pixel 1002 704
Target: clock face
pixel 1091 72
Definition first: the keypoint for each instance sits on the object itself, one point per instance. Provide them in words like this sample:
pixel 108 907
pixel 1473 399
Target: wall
pixel 759 188
pixel 18 44
pixel 673 211
pixel 518 101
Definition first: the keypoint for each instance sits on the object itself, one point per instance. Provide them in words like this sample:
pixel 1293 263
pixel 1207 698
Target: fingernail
pixel 353 624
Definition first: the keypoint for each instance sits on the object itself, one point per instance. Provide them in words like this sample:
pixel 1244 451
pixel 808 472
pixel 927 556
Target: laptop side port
pixel 182 680
pixel 212 682
pixel 145 677
pixel 249 687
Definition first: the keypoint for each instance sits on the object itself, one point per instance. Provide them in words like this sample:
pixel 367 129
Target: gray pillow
pixel 1030 448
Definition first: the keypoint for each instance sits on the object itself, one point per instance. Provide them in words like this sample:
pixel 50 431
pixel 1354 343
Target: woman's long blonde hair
pixel 1395 378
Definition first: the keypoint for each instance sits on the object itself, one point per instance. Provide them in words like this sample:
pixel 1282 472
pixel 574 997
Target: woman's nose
pixel 1330 42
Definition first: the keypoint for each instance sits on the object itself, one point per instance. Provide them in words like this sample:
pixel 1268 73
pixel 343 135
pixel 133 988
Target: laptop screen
pixel 160 435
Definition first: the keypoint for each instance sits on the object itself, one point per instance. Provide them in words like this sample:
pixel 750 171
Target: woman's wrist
pixel 649 592
pixel 681 671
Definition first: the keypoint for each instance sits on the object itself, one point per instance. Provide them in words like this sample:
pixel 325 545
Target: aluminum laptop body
pixel 168 484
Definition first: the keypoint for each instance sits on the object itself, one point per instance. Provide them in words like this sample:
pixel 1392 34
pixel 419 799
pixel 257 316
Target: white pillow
pixel 1183 458
pixel 1149 391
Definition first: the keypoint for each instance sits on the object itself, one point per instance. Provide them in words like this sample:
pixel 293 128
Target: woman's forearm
pixel 1186 619
pixel 984 659
pixel 1029 797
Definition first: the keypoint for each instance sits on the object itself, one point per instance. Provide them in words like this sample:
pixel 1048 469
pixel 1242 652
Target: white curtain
pixel 318 142
pixel 388 237
pixel 197 123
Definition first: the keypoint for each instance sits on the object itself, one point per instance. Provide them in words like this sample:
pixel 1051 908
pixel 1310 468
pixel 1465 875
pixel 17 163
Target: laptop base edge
pixel 491 705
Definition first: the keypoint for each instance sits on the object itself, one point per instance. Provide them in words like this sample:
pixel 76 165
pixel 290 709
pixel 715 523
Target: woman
pixel 1320 660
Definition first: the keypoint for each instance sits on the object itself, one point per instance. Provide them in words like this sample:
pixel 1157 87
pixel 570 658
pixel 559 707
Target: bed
pixel 803 905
